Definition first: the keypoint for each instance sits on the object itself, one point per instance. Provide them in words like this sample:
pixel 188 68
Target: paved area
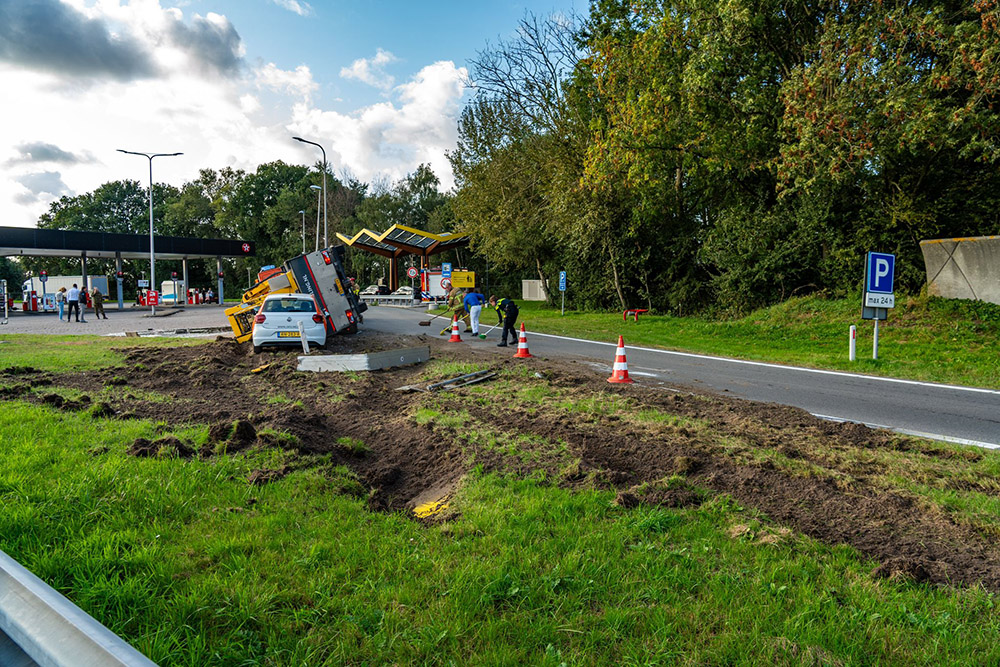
pixel 130 319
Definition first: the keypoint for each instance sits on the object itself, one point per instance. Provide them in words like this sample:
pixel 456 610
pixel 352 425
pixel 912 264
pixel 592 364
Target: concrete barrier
pixel 963 268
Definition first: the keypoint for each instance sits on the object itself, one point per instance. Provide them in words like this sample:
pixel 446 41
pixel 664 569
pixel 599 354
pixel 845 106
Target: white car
pixel 277 321
pixel 405 290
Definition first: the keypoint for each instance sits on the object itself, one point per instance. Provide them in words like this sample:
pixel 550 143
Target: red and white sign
pixel 152 298
pixel 446 283
pixel 246 247
pixel 411 272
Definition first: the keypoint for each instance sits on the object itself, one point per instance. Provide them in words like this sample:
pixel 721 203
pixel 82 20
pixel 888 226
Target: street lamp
pixel 318 195
pixel 303 231
pixel 152 256
pixel 313 143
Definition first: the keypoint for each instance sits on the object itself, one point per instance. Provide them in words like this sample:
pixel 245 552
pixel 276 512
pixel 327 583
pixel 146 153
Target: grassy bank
pixel 929 339
pixel 194 565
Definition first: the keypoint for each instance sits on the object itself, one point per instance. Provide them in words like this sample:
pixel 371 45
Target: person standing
pixel 61 301
pixel 458 308
pixel 73 299
pixel 507 313
pixel 474 305
pixel 98 299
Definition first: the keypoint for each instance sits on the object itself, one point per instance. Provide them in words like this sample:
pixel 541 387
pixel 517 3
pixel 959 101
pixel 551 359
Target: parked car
pixel 373 290
pixel 405 290
pixel 277 321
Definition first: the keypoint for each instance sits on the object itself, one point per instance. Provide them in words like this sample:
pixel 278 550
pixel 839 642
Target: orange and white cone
pixel 620 372
pixel 455 338
pixel 522 345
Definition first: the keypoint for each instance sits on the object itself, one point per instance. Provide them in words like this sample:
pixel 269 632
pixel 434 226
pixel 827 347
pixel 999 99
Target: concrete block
pixel 963 268
pixel 372 361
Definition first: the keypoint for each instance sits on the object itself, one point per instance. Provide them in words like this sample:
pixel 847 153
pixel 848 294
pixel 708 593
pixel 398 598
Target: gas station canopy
pixel 33 242
pixel 400 241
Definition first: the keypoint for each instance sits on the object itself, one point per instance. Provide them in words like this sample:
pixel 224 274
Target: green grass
pixel 193 565
pixel 76 353
pixel 930 339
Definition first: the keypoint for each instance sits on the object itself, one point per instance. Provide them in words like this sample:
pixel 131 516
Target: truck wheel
pixel 352 329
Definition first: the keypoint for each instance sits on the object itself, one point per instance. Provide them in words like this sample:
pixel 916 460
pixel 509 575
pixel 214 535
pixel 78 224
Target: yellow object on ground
pixel 426 510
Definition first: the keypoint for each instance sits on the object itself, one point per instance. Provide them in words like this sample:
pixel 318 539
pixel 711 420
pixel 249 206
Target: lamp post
pixel 303 231
pixel 326 244
pixel 318 195
pixel 152 256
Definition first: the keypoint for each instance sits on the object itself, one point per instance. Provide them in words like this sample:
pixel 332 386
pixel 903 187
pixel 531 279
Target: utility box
pixel 531 290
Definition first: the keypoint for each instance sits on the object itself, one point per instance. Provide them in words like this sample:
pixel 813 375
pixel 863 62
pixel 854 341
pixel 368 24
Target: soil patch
pixel 668 463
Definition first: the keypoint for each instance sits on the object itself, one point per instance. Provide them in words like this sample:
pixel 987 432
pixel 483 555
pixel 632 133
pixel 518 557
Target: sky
pixel 378 83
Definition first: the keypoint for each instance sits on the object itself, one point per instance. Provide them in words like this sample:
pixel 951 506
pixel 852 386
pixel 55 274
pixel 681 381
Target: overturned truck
pixel 320 274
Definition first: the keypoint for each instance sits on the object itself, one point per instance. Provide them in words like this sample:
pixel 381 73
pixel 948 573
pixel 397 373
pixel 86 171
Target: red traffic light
pixel 120 275
pixel 220 274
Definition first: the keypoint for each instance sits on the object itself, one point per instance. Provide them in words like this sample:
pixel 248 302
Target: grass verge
pixel 193 565
pixel 925 338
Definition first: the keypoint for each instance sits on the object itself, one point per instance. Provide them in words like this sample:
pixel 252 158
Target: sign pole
pixel 562 288
pixel 875 341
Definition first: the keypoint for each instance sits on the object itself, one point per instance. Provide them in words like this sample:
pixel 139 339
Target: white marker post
pixel 853 345
pixel 302 337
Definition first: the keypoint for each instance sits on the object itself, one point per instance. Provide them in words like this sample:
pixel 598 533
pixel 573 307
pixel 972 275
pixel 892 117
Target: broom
pixel 427 323
pixel 483 335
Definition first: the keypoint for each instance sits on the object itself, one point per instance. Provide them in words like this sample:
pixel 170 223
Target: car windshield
pixel 289 306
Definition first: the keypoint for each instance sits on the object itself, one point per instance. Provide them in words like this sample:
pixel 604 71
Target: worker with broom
pixel 507 313
pixel 457 307
pixel 473 303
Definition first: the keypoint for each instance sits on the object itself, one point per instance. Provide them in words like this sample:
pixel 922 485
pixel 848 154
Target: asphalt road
pixel 943 412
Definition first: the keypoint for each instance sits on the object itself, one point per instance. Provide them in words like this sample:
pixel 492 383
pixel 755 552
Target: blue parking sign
pixel 446 269
pixel 879 271
pixel 562 281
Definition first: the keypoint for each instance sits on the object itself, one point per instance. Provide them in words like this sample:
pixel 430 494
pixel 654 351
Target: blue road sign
pixel 879 271
pixel 446 269
pixel 562 281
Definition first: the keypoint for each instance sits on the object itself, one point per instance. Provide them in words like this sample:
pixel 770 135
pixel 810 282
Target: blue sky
pixel 380 84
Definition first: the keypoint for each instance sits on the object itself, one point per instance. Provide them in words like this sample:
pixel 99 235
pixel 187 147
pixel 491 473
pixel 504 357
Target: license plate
pixel 288 334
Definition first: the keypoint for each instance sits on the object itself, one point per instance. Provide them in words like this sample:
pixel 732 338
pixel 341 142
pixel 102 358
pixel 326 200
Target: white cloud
pixel 300 8
pixel 196 95
pixel 389 138
pixel 372 71
pixel 298 82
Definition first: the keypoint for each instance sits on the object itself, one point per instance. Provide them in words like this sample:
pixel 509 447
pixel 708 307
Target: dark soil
pixel 402 462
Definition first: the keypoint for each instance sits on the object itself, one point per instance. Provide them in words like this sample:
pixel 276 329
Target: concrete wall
pixel 966 268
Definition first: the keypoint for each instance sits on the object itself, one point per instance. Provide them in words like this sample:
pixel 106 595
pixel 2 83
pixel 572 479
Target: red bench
pixel 634 312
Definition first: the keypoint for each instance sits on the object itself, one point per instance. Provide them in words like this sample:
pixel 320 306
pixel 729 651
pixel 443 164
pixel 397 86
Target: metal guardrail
pixel 38 626
pixel 390 300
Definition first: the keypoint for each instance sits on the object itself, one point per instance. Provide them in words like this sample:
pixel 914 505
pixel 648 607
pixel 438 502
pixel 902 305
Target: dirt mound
pixel 166 447
pixel 357 421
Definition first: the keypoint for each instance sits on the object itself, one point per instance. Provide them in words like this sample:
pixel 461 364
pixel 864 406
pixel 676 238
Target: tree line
pixel 722 155
pixel 274 206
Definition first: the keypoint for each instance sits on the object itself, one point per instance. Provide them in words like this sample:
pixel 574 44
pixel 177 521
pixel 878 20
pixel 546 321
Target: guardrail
pixel 390 300
pixel 38 626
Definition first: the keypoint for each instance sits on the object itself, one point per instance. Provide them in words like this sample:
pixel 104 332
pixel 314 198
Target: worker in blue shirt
pixel 473 302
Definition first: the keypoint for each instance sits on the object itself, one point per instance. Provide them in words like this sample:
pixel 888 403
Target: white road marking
pixel 764 364
pixel 917 434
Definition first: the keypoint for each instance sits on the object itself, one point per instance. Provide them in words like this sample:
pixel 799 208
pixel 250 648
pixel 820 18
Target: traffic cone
pixel 455 338
pixel 620 372
pixel 522 345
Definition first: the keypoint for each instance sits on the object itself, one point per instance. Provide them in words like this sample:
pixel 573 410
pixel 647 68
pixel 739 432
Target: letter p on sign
pixel 880 272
